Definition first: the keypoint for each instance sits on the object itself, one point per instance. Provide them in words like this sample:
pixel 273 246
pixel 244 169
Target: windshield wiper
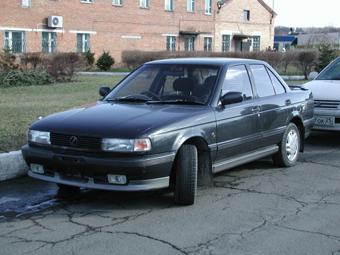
pixel 128 99
pixel 178 101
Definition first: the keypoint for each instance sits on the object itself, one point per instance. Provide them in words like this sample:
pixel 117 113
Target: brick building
pixel 151 25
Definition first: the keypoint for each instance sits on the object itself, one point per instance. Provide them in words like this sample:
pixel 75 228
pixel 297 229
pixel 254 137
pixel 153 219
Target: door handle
pixel 288 102
pixel 255 109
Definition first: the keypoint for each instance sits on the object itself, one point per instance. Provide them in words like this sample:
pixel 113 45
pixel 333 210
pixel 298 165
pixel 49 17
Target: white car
pixel 326 92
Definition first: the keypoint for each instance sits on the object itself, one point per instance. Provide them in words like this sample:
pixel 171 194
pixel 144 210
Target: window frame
pixel 171 42
pixel 191 5
pixel 256 42
pixel 8 40
pixel 169 5
pixel 189 46
pixel 51 42
pixel 208 7
pixel 144 4
pixel 117 2
pixel 246 15
pixel 223 45
pixel 87 1
pixel 207 44
pixel 85 38
pixel 26 3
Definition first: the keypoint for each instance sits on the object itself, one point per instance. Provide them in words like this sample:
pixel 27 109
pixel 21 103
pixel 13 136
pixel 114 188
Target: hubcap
pixel 292 145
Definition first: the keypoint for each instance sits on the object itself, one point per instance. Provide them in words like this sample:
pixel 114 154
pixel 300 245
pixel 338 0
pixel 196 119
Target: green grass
pixel 300 82
pixel 20 106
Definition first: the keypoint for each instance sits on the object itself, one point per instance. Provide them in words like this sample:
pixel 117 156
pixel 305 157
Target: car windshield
pixel 332 72
pixel 167 83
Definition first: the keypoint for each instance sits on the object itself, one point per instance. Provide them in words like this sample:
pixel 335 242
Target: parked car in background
pixel 326 92
pixel 173 123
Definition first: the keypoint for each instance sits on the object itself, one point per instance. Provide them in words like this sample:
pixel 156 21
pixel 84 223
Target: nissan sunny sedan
pixel 173 124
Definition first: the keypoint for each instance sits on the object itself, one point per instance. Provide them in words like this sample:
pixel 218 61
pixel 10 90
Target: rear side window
pixel 237 80
pixel 263 83
pixel 279 88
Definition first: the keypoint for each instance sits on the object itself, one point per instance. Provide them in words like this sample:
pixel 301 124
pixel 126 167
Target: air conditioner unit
pixel 55 21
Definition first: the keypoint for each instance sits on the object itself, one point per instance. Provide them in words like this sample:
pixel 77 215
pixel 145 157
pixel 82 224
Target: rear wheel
pixel 186 165
pixel 289 149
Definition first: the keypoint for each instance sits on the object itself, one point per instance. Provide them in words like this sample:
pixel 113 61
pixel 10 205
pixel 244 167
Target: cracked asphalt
pixel 252 209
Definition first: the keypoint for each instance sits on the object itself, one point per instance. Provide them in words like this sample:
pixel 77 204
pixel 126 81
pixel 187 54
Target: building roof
pixel 267 7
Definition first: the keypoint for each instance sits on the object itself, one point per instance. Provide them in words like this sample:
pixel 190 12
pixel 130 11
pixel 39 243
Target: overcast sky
pixel 306 13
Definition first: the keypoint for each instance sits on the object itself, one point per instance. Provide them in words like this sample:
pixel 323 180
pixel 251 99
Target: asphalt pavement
pixel 252 209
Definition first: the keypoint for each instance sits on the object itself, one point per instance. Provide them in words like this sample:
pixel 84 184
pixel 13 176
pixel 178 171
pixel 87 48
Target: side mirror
pixel 104 91
pixel 312 75
pixel 231 98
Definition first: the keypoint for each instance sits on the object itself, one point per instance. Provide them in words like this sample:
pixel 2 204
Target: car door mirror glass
pixel 231 98
pixel 104 91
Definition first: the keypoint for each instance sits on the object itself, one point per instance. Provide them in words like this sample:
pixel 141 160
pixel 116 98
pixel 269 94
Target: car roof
pixel 207 61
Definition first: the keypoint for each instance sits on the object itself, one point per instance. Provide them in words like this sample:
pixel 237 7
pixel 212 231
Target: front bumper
pixel 327 112
pixel 143 172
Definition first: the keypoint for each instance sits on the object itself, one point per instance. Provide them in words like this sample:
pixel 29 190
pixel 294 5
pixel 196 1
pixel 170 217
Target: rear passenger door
pixel 273 104
pixel 237 124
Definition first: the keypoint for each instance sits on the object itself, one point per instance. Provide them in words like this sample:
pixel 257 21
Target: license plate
pixel 326 121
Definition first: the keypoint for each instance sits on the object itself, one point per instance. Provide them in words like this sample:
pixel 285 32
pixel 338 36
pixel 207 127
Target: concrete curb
pixel 12 165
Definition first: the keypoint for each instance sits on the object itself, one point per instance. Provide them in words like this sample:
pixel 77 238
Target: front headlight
pixel 42 137
pixel 126 145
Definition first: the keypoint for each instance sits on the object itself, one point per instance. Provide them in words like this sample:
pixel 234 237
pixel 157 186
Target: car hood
pixel 324 89
pixel 120 120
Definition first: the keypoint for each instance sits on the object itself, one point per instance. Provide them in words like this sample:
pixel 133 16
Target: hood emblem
pixel 73 141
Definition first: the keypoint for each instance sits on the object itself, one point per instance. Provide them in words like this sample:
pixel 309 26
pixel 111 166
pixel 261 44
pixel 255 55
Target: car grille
pixel 326 104
pixel 76 142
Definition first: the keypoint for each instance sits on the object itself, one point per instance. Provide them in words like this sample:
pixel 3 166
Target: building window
pixel 171 43
pixel 15 41
pixel 246 15
pixel 83 42
pixel 117 2
pixel 169 5
pixel 256 43
pixel 190 5
pixel 144 3
pixel 225 43
pixel 207 44
pixel 87 1
pixel 26 3
pixel 207 7
pixel 189 44
pixel 49 42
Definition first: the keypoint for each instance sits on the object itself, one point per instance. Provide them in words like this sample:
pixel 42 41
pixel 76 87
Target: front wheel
pixel 289 148
pixel 186 165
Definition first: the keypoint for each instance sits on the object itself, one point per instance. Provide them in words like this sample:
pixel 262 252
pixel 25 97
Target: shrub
pixel 62 66
pixel 8 61
pixel 327 55
pixel 13 78
pixel 89 58
pixel 306 61
pixel 32 60
pixel 105 61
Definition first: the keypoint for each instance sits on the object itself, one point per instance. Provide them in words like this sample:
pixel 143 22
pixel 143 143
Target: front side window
pixel 144 3
pixel 83 42
pixel 15 41
pixel 49 42
pixel 190 5
pixel 189 44
pixel 117 2
pixel 171 43
pixel 207 6
pixel 263 83
pixel 167 83
pixel 237 80
pixel 256 43
pixel 332 72
pixel 169 5
pixel 225 43
pixel 207 44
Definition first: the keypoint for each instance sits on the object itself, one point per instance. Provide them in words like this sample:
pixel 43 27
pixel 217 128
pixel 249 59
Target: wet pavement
pixel 253 209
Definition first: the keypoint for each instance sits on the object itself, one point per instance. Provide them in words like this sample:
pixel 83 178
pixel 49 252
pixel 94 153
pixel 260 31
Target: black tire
pixel 284 158
pixel 67 191
pixel 186 165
